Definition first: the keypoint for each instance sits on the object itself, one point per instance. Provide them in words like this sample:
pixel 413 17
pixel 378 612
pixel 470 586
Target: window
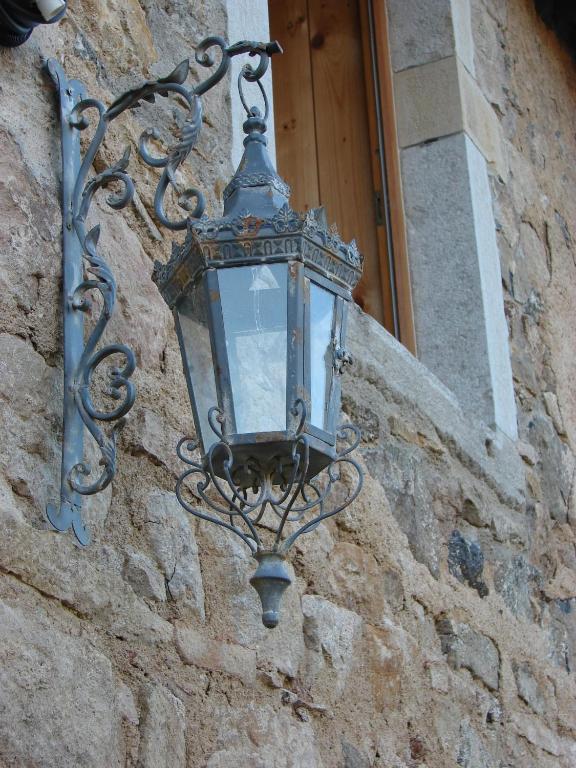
pixel 336 138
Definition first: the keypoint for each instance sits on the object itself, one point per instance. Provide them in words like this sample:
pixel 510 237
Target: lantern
pixel 260 298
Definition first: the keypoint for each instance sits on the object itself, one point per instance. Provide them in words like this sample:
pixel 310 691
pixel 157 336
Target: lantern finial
pixel 270 580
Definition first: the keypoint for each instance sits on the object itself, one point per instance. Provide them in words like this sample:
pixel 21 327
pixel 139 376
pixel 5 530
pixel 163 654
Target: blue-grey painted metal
pixel 282 504
pixel 268 488
pixel 270 580
pixel 82 358
pixel 68 513
pixel 259 228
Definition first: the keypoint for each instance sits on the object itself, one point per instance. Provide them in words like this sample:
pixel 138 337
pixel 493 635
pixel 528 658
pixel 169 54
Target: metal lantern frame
pixel 313 256
pixel 286 246
pixel 267 487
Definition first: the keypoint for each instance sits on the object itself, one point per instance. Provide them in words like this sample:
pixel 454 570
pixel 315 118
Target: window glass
pixel 321 353
pixel 255 315
pixel 195 343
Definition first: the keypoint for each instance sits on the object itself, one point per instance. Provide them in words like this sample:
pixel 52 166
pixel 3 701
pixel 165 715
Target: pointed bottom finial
pixel 270 580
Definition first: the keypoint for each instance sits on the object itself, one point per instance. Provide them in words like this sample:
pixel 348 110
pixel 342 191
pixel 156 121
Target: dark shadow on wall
pixel 560 16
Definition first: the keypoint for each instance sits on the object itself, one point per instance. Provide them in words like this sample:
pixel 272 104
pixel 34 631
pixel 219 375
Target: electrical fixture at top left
pixel 18 18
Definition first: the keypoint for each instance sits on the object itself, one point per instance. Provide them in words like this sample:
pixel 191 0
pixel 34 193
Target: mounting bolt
pixel 342 359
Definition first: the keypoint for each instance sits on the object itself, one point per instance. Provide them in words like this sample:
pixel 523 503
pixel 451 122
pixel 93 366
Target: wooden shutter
pixel 333 113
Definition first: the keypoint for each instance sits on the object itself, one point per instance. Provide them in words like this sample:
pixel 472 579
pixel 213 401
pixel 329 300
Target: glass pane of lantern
pixel 321 353
pixel 197 353
pixel 254 311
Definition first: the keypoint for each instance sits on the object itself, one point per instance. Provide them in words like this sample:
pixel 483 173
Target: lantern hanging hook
pixel 253 111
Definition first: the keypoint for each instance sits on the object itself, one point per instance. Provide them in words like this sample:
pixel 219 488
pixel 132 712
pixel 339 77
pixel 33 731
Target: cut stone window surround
pixel 449 138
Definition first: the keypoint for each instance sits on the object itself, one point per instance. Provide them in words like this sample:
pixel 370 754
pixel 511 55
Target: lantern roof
pixel 258 226
pixel 255 186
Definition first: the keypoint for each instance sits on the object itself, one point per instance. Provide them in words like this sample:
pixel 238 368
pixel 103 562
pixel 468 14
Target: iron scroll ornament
pixel 81 254
pixel 242 498
pixel 241 513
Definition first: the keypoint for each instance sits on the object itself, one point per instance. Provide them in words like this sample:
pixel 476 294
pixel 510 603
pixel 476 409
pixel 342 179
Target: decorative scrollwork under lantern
pixel 260 298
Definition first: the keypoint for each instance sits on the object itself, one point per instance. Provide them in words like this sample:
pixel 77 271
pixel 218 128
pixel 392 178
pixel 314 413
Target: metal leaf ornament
pixel 148 90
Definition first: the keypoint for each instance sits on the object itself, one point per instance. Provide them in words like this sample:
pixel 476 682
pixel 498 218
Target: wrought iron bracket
pixel 81 254
pixel 81 359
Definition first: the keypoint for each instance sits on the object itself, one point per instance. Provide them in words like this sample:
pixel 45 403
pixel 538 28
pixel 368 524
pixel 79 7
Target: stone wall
pixel 434 623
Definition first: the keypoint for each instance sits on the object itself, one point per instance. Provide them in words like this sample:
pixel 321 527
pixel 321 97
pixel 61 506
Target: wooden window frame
pixel 389 236
pixel 386 164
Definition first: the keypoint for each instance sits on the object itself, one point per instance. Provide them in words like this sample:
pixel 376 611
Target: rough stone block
pixel 360 583
pixel 148 434
pixel 471 751
pixel 20 363
pixel 331 632
pixel 439 675
pixel 387 650
pixel 466 562
pixel 89 580
pixel 469 649
pixel 258 736
pixel 143 576
pixel 246 756
pixel 172 540
pixel 29 216
pixel 162 741
pixel 528 452
pixel 534 730
pixel 58 697
pixel 10 510
pixel 127 704
pixel 563 585
pixel 516 580
pixel 414 510
pixel 28 452
pixel 476 513
pixel 235 607
pixel 529 688
pixel 352 757
pixel 235 660
pixel 554 463
pixel 553 410
pixel 562 632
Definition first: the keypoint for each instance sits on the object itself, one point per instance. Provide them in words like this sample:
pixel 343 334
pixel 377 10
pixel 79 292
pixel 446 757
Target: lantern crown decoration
pixel 258 224
pixel 260 298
